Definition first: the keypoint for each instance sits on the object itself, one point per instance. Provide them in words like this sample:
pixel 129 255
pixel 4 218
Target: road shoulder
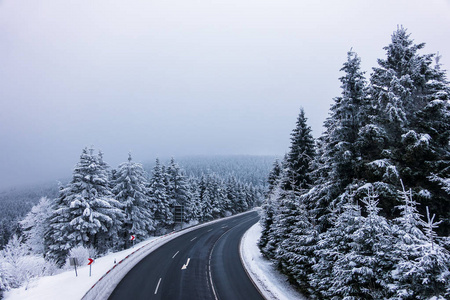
pixel 268 280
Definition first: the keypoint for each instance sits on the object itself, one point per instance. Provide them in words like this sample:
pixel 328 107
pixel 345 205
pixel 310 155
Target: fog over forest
pixel 180 78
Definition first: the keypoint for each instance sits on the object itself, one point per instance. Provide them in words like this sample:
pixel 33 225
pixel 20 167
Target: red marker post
pixel 132 239
pixel 90 265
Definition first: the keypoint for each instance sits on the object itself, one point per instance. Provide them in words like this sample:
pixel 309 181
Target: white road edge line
pixel 159 281
pixel 210 230
pixel 193 239
pixel 209 264
pixel 175 254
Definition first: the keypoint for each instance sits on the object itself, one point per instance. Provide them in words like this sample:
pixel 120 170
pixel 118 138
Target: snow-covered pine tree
pixel 4 277
pixel 205 198
pixel 217 196
pixel 332 245
pixel 178 188
pixel 130 189
pixel 269 207
pixel 241 202
pixel 296 251
pixel 423 267
pixel 56 237
pixel 364 271
pixel 411 100
pixel 85 213
pixel 347 116
pixel 294 180
pixel 193 205
pixel 160 200
pixel 35 225
pixel 298 160
pixel 274 176
pixel 338 160
pixel 231 195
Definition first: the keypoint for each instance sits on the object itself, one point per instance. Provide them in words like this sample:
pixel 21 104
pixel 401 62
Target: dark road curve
pixel 213 266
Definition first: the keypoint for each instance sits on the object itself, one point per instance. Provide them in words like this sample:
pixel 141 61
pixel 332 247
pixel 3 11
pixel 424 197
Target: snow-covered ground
pixel 66 285
pixel 270 282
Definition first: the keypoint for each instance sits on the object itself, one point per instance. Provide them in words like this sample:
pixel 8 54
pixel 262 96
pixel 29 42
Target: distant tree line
pixel 100 208
pixel 17 202
pixel 337 218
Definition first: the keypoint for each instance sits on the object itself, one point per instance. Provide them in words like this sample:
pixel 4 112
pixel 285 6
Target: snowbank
pixel 269 281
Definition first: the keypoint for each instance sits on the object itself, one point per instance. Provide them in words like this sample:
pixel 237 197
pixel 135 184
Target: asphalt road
pixel 201 264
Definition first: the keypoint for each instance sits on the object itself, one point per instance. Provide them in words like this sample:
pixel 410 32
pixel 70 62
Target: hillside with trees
pixel 365 212
pixel 99 209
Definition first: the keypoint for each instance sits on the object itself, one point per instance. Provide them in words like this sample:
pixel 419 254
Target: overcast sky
pixel 180 77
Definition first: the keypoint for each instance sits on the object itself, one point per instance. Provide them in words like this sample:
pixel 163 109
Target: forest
pixel 363 212
pixel 100 208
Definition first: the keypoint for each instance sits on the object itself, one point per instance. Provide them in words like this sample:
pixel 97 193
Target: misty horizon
pixel 178 79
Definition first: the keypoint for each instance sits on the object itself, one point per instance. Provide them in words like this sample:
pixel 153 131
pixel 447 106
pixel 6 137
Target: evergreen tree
pixel 193 205
pixel 130 189
pixel 411 101
pixel 231 195
pixel 85 212
pixel 298 160
pixel 35 224
pixel 178 187
pixel 269 206
pixel 331 246
pixel 159 198
pixel 274 176
pixel 205 198
pixel 294 180
pixel 339 157
pixel 423 267
pixel 297 249
pixel 363 271
pixel 4 278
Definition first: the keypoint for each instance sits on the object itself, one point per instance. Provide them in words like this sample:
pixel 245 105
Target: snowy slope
pixel 66 285
pixel 272 284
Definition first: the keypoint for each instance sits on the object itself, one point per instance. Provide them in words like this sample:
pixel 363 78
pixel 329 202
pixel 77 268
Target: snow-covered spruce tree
pixel 298 160
pixel 241 204
pixel 269 207
pixel 130 189
pixel 205 198
pixel 347 115
pixel 217 195
pixel 159 198
pixel 231 195
pixel 4 277
pixel 294 180
pixel 193 206
pixel 332 245
pixel 423 267
pixel 274 176
pixel 35 224
pixel 338 160
pixel 364 271
pixel 178 189
pixel 85 213
pixel 56 237
pixel 410 97
pixel 296 260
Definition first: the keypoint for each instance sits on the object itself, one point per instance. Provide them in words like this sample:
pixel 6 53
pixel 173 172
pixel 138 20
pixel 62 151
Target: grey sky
pixel 181 77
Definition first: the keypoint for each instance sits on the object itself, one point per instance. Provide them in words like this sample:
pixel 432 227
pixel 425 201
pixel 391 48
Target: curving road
pixel 201 264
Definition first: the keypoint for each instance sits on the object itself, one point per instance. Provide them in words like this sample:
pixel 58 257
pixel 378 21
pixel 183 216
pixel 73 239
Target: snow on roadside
pixel 263 273
pixel 67 286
